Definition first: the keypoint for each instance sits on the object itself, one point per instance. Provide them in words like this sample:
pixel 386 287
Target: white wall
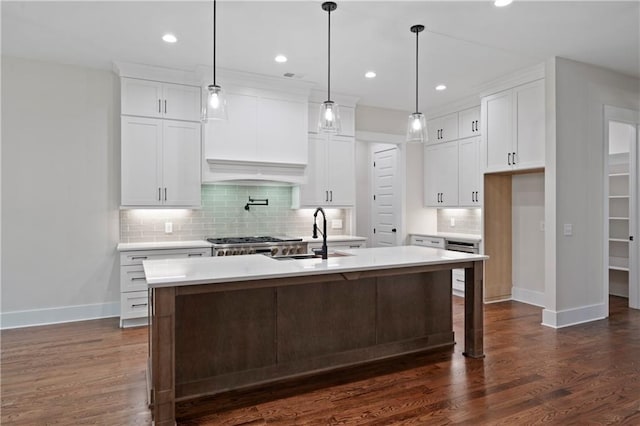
pixel 527 214
pixel 60 189
pixel 575 174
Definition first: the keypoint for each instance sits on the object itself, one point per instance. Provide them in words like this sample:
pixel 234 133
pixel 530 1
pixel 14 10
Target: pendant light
pixel 329 120
pixel 417 126
pixel 216 100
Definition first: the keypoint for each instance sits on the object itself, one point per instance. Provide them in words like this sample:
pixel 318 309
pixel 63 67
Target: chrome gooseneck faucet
pixel 323 251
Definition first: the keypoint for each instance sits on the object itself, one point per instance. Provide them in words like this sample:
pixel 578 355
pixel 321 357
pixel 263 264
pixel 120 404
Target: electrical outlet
pixel 168 227
pixel 453 222
pixel 568 229
pixel 336 223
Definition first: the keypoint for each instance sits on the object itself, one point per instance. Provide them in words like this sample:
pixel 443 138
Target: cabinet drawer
pixel 134 304
pixel 137 257
pixel 132 278
pixel 435 242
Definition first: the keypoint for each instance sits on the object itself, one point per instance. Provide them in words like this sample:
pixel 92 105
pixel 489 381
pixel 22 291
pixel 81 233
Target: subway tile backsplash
pixel 223 215
pixel 466 221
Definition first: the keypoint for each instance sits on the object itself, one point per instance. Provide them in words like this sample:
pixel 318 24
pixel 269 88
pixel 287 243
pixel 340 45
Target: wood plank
pixel 497 237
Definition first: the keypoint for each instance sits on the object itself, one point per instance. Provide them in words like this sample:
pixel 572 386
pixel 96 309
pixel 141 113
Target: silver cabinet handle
pixel 419 241
pixel 434 242
pixel 137 279
pixel 194 254
pixel 138 257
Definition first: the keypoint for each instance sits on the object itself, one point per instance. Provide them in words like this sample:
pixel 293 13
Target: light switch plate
pixel 336 223
pixel 568 229
pixel 168 227
pixel 453 222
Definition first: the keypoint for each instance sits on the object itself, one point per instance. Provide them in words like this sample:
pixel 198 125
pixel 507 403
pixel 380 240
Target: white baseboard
pixel 530 297
pixel 30 318
pixel 568 317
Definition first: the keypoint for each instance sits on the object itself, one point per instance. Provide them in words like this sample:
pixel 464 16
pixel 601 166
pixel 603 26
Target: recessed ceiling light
pixel 281 59
pixel 502 3
pixel 370 74
pixel 441 87
pixel 169 38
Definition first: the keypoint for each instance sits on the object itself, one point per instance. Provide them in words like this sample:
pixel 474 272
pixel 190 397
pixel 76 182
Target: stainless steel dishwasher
pixel 457 275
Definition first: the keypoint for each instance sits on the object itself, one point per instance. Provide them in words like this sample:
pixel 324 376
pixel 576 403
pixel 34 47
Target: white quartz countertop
pixel 472 238
pixel 163 245
pixel 192 271
pixel 332 238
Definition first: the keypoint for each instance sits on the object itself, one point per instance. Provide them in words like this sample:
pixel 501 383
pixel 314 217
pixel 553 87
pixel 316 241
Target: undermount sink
pixel 309 256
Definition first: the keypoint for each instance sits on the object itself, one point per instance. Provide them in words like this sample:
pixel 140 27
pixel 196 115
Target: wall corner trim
pixel 36 317
pixel 574 316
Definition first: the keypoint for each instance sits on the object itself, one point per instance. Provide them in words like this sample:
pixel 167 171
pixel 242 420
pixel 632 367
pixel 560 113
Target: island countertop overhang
pixel 211 270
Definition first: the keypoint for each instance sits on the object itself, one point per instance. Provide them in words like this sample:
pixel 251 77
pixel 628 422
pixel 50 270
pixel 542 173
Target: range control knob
pixel 300 250
pixel 219 253
pixel 274 251
pixel 285 250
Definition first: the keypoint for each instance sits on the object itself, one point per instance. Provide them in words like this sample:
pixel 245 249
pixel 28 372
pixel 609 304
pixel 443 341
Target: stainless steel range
pixel 271 246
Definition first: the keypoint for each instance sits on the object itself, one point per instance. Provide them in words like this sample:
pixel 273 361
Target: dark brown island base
pixel 222 323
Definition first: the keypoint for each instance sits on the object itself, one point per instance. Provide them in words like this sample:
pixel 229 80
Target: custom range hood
pixel 265 137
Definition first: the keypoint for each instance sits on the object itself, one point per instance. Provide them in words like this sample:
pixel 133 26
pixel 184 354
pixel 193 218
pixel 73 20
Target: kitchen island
pixel 225 323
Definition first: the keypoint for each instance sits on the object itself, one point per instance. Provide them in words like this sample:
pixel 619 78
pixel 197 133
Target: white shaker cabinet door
pixel 181 163
pixel 341 172
pixel 141 97
pixel 279 127
pixel 530 125
pixel 497 124
pixel 315 192
pixel 441 175
pixel 181 102
pixel 234 139
pixel 469 173
pixel 141 161
pixel 469 122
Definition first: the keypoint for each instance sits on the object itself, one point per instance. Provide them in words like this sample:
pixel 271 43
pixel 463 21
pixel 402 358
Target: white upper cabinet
pixel 443 129
pixel 441 175
pixel 469 185
pixel 513 128
pixel 146 98
pixel 330 173
pixel 469 122
pixel 160 163
pixel 347 119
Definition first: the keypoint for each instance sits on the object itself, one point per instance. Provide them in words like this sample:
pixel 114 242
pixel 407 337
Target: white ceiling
pixel 465 45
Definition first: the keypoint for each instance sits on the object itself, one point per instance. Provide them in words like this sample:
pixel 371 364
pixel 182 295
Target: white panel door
pixel 141 97
pixel 281 124
pixel 340 171
pixel 385 202
pixel 469 172
pixel 498 131
pixel 181 163
pixel 181 102
pixel 530 125
pixel 141 161
pixel 469 122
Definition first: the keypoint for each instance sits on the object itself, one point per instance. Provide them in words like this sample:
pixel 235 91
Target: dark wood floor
pixel 93 373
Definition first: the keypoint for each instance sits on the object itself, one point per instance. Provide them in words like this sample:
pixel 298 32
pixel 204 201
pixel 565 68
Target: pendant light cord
pixel 329 58
pixel 214 42
pixel 417 70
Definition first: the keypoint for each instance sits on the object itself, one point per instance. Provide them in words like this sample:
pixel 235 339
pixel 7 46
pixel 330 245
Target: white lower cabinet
pixel 457 282
pixel 134 301
pixel 331 180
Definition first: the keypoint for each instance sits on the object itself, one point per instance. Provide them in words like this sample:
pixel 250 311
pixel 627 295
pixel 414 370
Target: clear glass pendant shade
pixel 216 104
pixel 417 128
pixel 329 119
